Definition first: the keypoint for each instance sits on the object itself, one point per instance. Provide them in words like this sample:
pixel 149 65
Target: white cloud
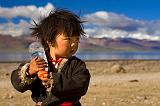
pixel 107 32
pixel 143 36
pixel 109 19
pixel 32 12
pixel 112 25
pixel 15 29
pixel 100 24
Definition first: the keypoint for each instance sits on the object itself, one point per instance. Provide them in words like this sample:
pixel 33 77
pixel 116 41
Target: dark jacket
pixel 68 85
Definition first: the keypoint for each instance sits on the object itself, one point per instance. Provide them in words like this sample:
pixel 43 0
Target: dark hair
pixel 58 21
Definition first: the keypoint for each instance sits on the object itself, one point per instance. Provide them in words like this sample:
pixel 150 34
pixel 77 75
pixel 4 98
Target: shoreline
pixel 103 66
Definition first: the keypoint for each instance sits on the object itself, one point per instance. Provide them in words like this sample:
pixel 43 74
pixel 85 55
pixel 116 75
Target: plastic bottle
pixel 36 50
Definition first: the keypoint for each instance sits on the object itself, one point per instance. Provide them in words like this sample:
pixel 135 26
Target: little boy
pixel 67 78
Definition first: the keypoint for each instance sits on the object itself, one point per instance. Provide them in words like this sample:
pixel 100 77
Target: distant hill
pixel 124 44
pixel 9 43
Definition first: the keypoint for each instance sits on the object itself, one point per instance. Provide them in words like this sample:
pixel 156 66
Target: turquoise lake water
pixel 88 55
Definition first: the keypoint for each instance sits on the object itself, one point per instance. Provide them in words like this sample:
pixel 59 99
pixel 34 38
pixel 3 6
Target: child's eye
pixel 67 38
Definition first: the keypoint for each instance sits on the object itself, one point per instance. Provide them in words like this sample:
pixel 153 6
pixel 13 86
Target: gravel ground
pixel 110 85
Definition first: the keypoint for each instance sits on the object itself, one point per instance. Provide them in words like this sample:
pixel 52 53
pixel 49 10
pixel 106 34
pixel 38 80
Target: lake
pixel 6 56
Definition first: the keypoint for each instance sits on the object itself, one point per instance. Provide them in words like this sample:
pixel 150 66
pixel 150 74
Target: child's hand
pixel 37 64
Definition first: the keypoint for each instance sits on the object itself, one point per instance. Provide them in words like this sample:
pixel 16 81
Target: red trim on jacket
pixel 69 103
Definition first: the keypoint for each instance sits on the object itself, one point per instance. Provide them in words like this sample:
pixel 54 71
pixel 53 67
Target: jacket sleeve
pixel 74 85
pixel 19 79
pixel 21 82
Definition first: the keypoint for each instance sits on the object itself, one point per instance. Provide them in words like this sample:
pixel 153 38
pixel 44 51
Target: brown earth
pixel 113 83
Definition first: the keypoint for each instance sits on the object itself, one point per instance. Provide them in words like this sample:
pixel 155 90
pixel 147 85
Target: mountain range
pixel 9 43
pixel 120 44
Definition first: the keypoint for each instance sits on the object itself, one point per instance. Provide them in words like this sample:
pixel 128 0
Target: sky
pixel 139 19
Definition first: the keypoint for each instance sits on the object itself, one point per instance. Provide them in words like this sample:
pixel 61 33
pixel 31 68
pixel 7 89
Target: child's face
pixel 65 46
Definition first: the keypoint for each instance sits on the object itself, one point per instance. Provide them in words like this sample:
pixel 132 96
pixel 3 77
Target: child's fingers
pixel 38 59
pixel 37 64
pixel 41 69
pixel 42 65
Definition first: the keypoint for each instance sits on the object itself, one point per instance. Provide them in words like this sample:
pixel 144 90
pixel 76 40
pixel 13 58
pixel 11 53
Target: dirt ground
pixel 113 83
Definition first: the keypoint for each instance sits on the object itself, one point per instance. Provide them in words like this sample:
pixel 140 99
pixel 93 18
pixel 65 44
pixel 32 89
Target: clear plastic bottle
pixel 36 50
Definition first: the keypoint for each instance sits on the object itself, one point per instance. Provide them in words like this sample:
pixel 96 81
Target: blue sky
pixel 107 18
pixel 138 9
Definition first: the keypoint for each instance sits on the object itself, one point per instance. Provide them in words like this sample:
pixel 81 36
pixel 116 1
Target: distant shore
pixel 102 66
